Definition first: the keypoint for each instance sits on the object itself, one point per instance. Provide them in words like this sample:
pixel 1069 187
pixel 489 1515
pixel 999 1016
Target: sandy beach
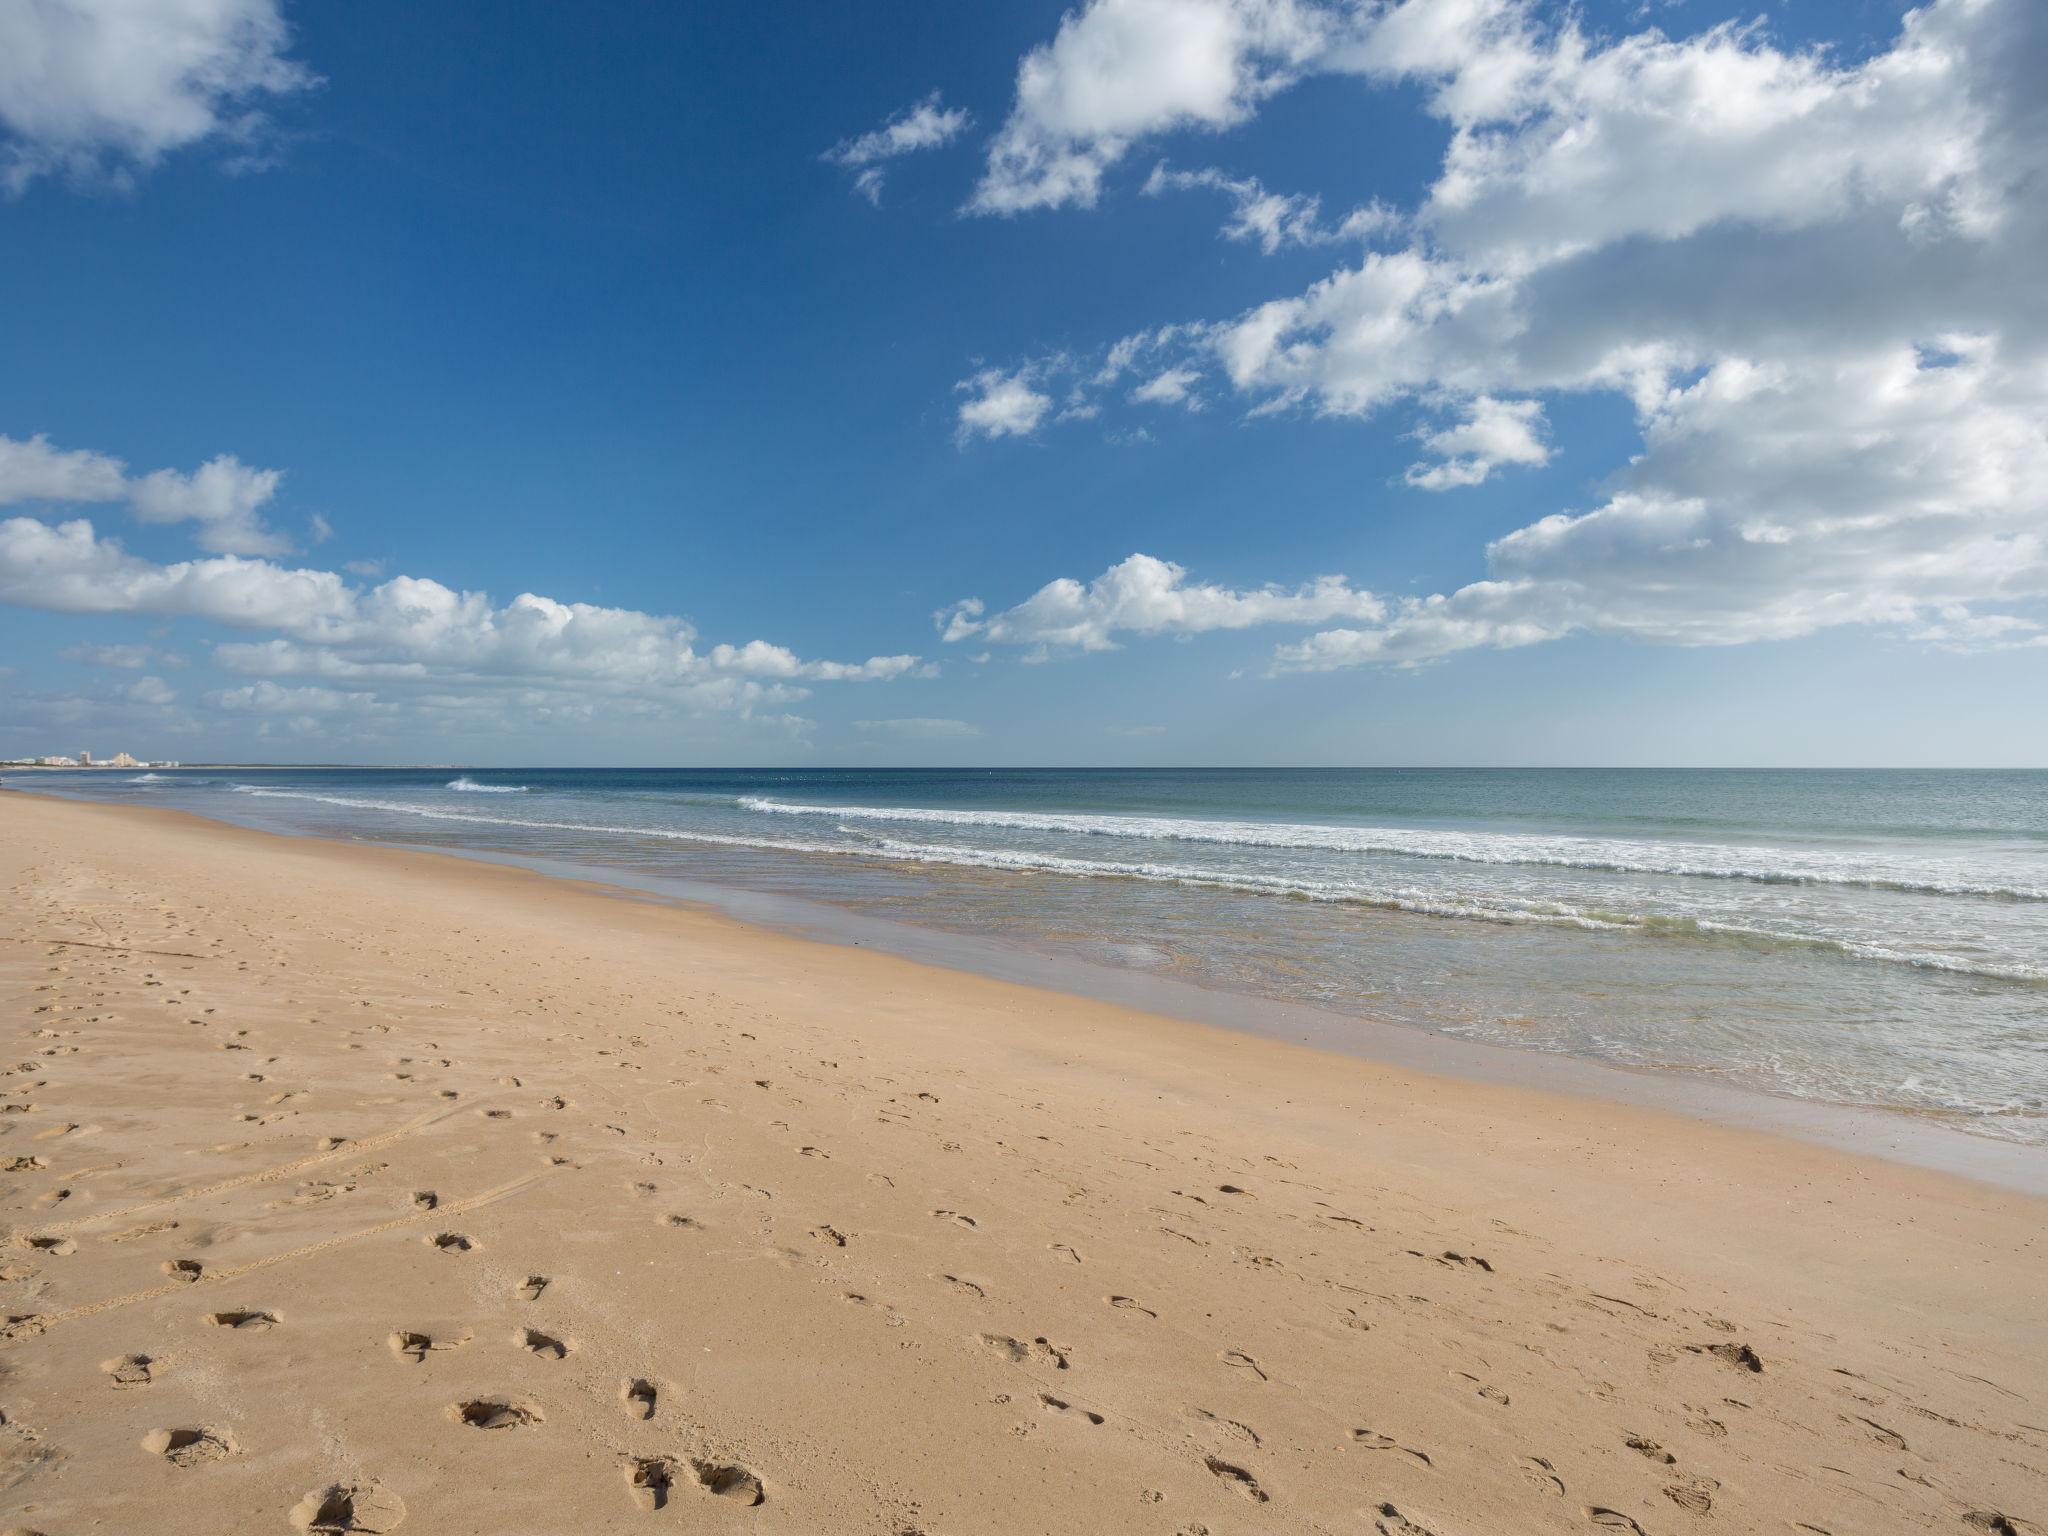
pixel 352 1189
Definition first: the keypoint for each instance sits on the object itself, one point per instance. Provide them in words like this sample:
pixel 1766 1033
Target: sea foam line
pixel 1777 866
pixel 1406 900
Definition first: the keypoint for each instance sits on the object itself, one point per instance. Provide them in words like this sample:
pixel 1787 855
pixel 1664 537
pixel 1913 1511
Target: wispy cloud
pixel 927 125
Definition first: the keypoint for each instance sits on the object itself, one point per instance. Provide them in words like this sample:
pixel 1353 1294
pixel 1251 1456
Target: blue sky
pixel 1662 392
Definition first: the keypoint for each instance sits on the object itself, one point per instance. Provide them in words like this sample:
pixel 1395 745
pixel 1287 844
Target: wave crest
pixel 468 786
pixel 1759 864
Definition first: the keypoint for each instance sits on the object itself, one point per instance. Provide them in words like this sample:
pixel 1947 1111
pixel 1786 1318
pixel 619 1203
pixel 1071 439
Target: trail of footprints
pixel 654 1480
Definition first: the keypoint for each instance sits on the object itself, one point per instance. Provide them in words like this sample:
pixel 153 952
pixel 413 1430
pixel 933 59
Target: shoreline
pixel 1917 1138
pixel 812 1236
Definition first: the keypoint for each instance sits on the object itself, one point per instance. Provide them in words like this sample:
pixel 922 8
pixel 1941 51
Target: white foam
pixel 469 786
pixel 1944 877
pixel 1493 907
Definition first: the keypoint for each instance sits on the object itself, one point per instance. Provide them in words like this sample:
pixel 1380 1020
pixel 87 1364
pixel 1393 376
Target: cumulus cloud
pixel 1119 71
pixel 1812 282
pixel 1493 432
pixel 1142 595
pixel 99 90
pixel 1001 404
pixel 409 631
pixel 224 496
pixel 36 470
pixel 928 125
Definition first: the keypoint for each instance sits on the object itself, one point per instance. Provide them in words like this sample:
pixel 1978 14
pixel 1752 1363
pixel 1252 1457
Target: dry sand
pixel 354 1189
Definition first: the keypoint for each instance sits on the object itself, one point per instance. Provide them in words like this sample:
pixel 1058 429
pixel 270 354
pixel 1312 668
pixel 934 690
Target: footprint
pixel 1058 1406
pixel 956 1218
pixel 1890 1439
pixel 189 1447
pixel 1373 1441
pixel 1543 1475
pixel 531 1290
pixel 425 1199
pixel 1614 1519
pixel 968 1286
pixel 494 1413
pixel 1391 1522
pixel 1127 1304
pixel 1465 1260
pixel 349 1509
pixel 57 1247
pixel 187 1270
pixel 1649 1448
pixel 548 1348
pixel 1695 1497
pixel 639 1395
pixel 131 1370
pixel 452 1242
pixel 688 1223
pixel 416 1345
pixel 252 1321
pixel 1237 1478
pixel 830 1235
pixel 729 1482
pixel 1008 1348
pixel 652 1479
pixel 1243 1362
pixel 1741 1356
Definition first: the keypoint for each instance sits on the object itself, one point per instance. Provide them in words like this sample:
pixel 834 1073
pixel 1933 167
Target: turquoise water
pixel 1873 938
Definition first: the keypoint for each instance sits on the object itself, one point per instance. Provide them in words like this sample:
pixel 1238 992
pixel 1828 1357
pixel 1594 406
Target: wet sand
pixel 360 1189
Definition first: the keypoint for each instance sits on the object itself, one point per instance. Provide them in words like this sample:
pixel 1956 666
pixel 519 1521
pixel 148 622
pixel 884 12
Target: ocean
pixel 1872 938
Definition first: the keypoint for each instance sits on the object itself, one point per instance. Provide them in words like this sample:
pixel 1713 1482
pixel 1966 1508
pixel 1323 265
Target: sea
pixel 1867 938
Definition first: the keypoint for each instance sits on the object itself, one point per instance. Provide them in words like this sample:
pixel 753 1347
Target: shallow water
pixel 1873 938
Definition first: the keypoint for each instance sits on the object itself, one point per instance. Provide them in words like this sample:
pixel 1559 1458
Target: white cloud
pixel 103 89
pixel 1275 220
pixel 411 631
pixel 918 728
pixel 928 125
pixel 1121 70
pixel 36 471
pixel 151 691
pixel 1814 284
pixel 224 496
pixel 1142 595
pixel 1494 432
pixel 269 698
pixel 1001 405
pixel 1171 387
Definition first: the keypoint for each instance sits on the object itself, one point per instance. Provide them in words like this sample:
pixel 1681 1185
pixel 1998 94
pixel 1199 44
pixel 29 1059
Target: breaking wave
pixel 1781 866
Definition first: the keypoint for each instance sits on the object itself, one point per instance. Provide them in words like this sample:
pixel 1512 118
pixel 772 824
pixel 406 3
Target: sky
pixel 1140 381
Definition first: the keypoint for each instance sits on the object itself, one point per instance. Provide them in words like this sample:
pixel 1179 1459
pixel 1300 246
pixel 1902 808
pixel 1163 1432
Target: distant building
pixel 85 759
pixel 122 760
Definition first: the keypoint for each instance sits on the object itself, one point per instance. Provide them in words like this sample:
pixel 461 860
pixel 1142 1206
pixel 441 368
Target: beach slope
pixel 351 1189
